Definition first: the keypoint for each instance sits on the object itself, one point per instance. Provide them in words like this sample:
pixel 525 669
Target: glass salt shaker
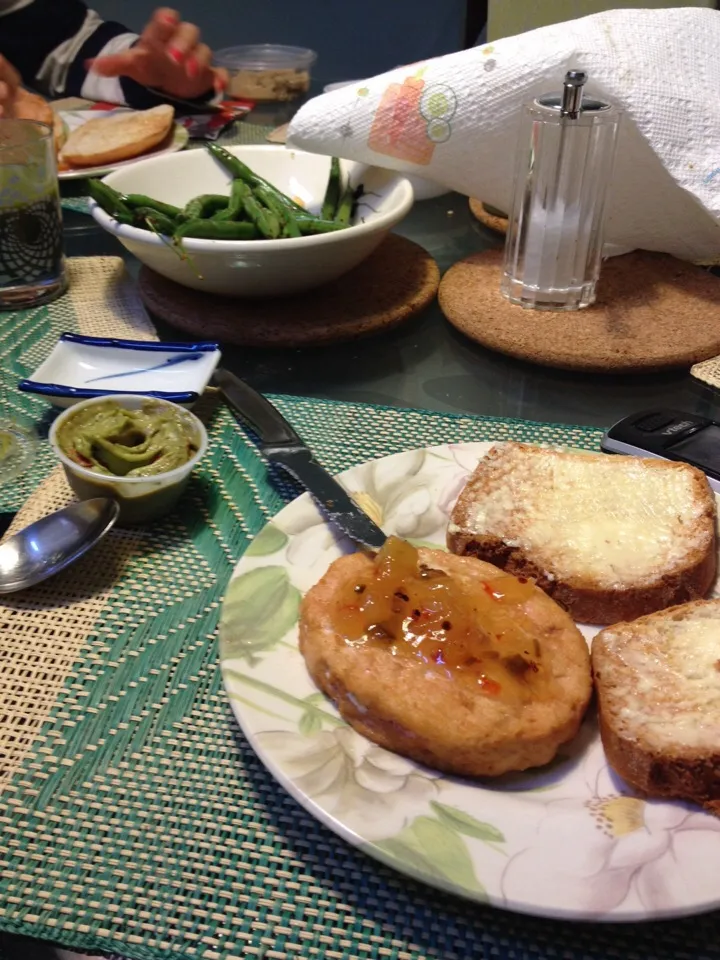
pixel 564 163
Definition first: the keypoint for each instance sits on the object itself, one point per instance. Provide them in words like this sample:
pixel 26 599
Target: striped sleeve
pixel 49 41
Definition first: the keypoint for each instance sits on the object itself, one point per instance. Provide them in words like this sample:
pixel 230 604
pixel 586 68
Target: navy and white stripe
pixel 49 41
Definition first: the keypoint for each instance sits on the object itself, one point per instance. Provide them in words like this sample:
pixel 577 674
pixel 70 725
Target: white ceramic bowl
pixel 259 268
pixel 141 499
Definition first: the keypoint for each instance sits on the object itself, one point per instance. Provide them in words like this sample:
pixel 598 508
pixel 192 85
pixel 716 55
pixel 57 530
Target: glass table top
pixel 425 363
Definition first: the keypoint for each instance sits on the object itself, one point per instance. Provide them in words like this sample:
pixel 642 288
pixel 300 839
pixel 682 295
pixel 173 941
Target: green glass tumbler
pixel 32 265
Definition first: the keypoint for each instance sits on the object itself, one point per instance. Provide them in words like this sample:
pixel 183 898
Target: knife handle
pixel 265 419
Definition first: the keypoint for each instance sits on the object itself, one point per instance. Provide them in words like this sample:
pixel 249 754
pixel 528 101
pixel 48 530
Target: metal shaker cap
pixel 571 102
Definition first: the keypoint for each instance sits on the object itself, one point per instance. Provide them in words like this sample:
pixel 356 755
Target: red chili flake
pixel 490 686
pixel 522 580
pixel 79 458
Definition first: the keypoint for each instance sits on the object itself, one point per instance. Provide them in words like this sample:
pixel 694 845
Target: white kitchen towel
pixel 455 119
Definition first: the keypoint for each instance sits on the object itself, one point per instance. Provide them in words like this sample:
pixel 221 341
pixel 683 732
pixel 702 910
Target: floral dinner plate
pixel 569 840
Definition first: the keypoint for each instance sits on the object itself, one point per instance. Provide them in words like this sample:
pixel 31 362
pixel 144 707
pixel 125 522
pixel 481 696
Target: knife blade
pixel 280 444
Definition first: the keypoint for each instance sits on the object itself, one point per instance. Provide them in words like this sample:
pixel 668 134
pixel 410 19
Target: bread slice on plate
pixel 31 106
pixel 467 671
pixel 608 537
pixel 658 688
pixel 117 137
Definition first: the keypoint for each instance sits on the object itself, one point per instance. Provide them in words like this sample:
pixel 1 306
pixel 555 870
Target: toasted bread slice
pixel 431 711
pixel 658 687
pixel 120 136
pixel 609 537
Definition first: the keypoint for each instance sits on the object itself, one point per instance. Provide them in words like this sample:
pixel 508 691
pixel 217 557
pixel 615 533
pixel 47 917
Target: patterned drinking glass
pixel 32 266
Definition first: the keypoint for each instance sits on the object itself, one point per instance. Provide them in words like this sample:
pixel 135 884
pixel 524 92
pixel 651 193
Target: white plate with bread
pixel 455 715
pixel 97 142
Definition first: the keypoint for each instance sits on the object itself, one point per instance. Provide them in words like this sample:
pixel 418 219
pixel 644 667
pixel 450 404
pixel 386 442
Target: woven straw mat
pixel 101 301
pixel 136 819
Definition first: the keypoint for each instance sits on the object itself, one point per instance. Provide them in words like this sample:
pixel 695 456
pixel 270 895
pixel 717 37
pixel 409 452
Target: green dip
pixel 109 439
pixel 6 444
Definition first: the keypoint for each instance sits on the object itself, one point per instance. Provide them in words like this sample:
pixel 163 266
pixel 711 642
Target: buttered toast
pixel 658 689
pixel 610 538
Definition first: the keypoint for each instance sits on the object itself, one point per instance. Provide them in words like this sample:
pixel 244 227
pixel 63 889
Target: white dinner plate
pixel 570 840
pixel 72 119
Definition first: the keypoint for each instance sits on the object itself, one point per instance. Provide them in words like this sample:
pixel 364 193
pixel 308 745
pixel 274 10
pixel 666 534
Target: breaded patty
pixel 448 718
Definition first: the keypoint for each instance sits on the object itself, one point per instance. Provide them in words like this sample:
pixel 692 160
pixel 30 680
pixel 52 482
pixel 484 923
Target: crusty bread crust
pixel 117 137
pixel 620 655
pixel 402 705
pixel 581 596
pixel 31 106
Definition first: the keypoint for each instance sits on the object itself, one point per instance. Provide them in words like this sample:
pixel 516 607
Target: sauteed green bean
pixel 254 208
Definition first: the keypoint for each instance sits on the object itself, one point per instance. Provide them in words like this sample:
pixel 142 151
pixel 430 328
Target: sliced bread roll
pixel 31 106
pixel 609 537
pixel 658 688
pixel 120 136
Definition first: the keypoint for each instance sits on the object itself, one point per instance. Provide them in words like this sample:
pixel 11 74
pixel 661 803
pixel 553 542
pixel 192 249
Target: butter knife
pixel 280 444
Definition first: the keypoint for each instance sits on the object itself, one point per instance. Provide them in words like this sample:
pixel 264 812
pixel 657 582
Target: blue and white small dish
pixel 82 367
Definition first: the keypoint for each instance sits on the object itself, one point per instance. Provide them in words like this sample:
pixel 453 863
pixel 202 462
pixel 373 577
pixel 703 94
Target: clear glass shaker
pixel 565 156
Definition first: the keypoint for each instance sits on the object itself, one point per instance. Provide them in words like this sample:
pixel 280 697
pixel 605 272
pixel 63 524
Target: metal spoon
pixel 49 545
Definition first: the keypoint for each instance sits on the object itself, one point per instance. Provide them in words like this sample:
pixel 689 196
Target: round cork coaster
pixel 395 283
pixel 490 220
pixel 653 313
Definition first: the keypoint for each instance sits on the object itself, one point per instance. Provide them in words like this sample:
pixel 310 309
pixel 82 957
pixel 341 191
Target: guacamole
pixel 112 440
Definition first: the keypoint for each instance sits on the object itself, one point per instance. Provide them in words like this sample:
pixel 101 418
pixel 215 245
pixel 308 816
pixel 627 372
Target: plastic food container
pixel 267 71
pixel 141 499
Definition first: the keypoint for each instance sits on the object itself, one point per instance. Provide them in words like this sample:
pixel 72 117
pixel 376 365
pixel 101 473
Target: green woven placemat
pixel 103 301
pixel 137 820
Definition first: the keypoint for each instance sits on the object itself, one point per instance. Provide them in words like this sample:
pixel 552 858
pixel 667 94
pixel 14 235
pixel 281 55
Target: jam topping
pixel 477 632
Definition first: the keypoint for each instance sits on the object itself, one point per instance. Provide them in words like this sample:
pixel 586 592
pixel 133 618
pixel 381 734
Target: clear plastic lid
pixel 265 56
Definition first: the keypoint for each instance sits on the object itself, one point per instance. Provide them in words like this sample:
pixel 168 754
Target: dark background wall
pixel 353 40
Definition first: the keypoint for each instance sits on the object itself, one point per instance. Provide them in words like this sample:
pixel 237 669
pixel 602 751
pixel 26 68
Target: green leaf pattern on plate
pixel 260 607
pixel 433 848
pixel 466 823
pixel 271 539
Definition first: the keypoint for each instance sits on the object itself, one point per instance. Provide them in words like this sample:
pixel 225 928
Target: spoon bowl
pixel 47 546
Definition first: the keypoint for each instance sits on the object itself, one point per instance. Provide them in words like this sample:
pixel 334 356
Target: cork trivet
pixel 395 283
pixel 489 220
pixel 653 313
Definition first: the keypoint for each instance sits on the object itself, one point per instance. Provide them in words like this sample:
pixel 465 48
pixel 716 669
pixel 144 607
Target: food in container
pixel 267 71
pixel 138 450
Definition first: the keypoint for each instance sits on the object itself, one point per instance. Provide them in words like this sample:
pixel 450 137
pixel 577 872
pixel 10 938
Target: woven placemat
pixel 136 819
pixel 653 313
pixel 395 283
pixel 708 371
pixel 102 300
